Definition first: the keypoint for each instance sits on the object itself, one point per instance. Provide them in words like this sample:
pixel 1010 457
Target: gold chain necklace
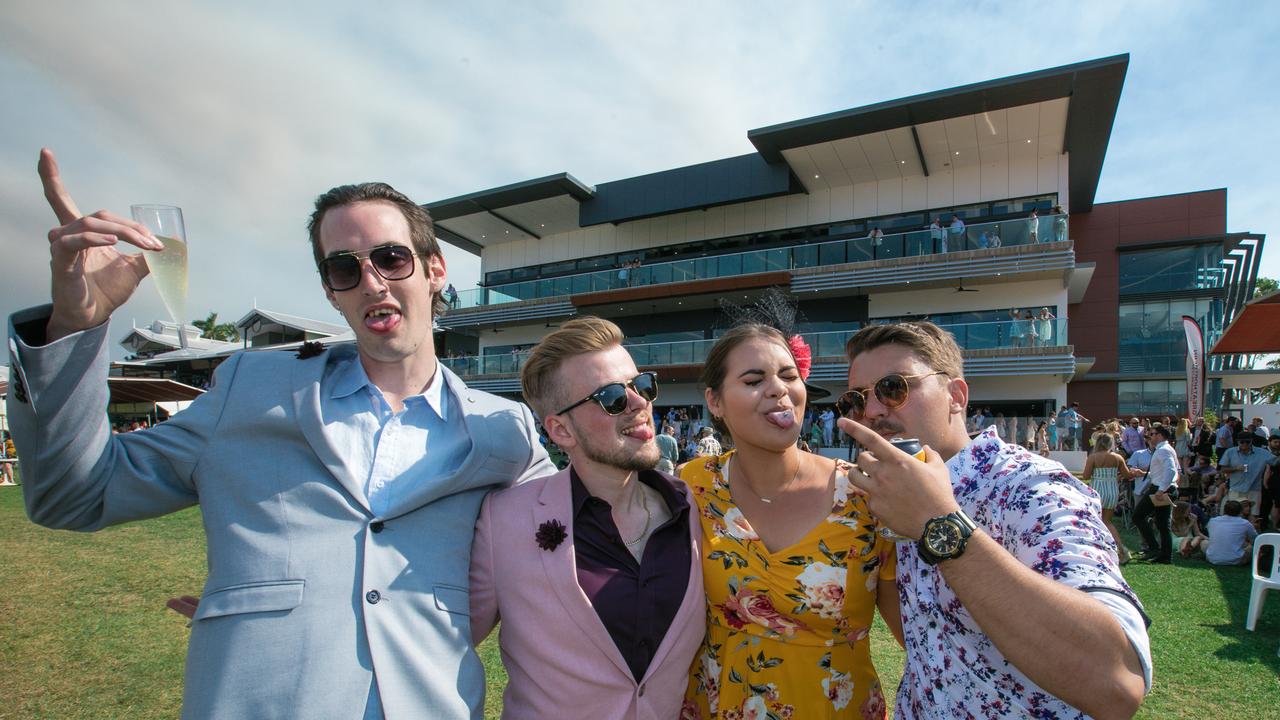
pixel 648 517
pixel 769 501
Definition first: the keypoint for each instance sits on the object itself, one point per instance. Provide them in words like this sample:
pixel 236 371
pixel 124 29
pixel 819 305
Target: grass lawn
pixel 85 633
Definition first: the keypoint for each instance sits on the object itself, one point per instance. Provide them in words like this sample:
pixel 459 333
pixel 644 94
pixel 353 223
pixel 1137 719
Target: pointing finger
pixel 866 437
pixel 54 192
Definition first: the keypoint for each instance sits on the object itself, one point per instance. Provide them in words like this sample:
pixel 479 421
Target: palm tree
pixel 211 329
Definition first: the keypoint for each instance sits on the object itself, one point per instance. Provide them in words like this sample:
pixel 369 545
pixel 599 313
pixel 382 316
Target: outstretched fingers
pixel 54 191
pixel 101 228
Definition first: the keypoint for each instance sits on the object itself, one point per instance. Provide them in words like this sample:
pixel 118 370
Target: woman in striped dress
pixel 1103 470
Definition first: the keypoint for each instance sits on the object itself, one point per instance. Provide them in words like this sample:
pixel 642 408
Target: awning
pixel 150 390
pixel 1255 329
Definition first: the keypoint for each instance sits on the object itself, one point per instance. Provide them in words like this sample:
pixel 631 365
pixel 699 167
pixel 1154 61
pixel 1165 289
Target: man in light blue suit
pixel 339 490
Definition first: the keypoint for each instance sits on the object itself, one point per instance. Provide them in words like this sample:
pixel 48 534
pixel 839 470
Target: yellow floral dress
pixel 786 630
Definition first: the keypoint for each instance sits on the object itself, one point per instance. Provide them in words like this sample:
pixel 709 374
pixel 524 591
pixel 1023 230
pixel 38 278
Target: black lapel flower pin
pixel 310 349
pixel 550 534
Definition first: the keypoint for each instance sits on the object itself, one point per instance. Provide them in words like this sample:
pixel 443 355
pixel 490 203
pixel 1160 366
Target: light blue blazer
pixel 309 593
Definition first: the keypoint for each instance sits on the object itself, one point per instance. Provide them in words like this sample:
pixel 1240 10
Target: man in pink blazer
pixel 593 571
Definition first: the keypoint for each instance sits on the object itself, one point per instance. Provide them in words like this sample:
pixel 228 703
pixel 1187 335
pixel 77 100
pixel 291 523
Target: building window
pixel 1151 335
pixel 1162 397
pixel 1195 267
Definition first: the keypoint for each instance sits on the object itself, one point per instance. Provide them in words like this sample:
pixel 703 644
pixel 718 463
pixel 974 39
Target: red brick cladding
pixel 1094 321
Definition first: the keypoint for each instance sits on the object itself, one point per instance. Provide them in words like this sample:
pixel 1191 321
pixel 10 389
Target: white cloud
pixel 241 113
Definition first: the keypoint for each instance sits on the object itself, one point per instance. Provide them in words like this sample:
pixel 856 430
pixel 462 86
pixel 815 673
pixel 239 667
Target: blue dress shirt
pixel 386 449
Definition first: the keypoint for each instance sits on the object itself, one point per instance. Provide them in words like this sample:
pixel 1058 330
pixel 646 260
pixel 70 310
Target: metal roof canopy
pixel 150 390
pixel 1093 86
pixel 554 204
pixel 1255 329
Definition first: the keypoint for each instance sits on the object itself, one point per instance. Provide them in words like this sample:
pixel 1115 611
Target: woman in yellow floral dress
pixel 793 562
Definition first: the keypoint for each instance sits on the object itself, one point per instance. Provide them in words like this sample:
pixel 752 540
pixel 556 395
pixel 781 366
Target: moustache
pixel 880 427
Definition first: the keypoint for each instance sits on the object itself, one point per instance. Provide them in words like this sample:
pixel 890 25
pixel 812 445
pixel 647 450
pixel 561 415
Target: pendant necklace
pixel 648 517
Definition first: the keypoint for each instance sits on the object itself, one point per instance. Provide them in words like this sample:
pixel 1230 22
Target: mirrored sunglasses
pixel 892 391
pixel 613 397
pixel 344 270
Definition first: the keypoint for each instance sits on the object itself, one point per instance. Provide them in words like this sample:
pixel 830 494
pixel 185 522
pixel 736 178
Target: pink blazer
pixel 560 658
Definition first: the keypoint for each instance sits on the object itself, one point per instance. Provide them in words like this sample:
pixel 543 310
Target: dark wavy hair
pixel 422 232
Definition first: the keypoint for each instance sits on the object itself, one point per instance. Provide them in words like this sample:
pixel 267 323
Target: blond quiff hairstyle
pixel 576 337
pixel 935 346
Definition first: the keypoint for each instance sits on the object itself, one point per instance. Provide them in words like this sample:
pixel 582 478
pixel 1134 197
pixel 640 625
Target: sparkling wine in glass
pixel 168 266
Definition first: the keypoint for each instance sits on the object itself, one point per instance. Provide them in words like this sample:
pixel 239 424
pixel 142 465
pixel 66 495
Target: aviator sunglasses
pixel 613 397
pixel 892 391
pixel 343 271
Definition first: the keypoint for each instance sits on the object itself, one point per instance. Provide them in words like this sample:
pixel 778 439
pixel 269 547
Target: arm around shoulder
pixel 484 597
pixel 539 462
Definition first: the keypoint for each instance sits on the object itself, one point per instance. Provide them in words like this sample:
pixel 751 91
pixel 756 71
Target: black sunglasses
pixel 613 397
pixel 343 271
pixel 892 391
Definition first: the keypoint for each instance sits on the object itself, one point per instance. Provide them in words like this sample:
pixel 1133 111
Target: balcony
pixel 991 348
pixel 838 252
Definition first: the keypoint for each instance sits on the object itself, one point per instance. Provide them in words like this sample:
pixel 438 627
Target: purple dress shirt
pixel 636 601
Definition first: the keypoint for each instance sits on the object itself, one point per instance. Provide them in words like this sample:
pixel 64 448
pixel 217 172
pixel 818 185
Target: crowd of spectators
pixel 1221 494
pixel 1198 488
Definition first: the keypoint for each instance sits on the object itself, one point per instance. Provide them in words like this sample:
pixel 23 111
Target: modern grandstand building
pixel 837 210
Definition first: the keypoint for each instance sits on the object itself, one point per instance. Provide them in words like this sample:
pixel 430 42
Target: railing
pixel 863 248
pixel 970 336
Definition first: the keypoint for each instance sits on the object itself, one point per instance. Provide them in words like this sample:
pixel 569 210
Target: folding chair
pixel 1263 583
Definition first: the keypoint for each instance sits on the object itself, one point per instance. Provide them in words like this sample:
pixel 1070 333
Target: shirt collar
pixel 350 378
pixel 661 482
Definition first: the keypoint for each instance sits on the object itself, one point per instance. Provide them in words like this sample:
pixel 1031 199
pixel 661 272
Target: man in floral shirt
pixel 1012 601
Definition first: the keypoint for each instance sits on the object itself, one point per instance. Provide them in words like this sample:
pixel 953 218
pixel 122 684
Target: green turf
pixel 84 632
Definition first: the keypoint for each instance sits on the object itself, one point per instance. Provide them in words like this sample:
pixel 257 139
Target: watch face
pixel 942 538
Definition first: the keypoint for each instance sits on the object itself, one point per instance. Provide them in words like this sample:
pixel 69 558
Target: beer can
pixel 910 446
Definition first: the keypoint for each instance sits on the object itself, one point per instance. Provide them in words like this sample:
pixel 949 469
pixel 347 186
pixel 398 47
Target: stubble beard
pixel 646 458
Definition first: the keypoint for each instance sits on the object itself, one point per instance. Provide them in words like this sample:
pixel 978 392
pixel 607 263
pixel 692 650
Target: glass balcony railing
pixel 970 336
pixel 863 248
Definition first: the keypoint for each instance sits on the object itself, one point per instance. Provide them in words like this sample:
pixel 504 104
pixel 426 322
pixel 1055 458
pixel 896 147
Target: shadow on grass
pixel 1260 645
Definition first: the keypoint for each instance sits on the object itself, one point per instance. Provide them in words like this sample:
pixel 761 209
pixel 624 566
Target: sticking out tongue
pixel 782 418
pixel 382 323
pixel 643 433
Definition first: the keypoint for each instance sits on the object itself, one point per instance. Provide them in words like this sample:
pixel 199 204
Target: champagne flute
pixel 169 266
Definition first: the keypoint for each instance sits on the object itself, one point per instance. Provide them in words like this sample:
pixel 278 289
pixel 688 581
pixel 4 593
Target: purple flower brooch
pixel 550 534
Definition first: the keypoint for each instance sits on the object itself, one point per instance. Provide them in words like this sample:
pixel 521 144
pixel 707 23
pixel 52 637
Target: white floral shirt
pixel 1049 521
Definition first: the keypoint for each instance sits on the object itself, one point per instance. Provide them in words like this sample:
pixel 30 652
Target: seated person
pixel 1185 526
pixel 1230 537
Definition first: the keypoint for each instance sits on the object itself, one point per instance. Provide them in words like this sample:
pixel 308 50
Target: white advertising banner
pixel 1195 367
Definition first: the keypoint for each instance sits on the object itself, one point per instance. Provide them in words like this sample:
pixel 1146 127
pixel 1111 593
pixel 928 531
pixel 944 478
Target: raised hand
pixel 90 277
pixel 902 492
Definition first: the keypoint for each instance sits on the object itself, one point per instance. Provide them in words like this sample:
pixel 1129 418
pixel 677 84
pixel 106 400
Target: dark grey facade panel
pixel 514 194
pixel 720 182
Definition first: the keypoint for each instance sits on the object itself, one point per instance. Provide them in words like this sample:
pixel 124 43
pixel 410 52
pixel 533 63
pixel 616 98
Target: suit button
pixel 373 596
pixel 376 526
pixel 641 691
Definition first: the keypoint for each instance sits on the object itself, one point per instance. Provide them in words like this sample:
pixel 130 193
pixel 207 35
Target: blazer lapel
pixel 306 407
pixel 555 502
pixel 695 598
pixel 463 402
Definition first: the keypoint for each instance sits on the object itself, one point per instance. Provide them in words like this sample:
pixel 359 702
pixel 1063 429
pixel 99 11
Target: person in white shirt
pixel 1154 501
pixel 828 420
pixel 1259 428
pixel 1012 601
pixel 1230 537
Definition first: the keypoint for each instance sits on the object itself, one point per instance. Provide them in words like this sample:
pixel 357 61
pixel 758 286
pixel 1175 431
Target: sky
pixel 242 112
